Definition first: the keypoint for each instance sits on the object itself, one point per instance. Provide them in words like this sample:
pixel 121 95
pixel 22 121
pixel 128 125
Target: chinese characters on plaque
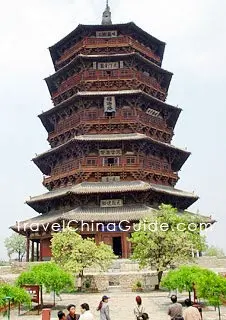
pixel 109 104
pixel 153 112
pixel 106 34
pixel 107 65
pixel 111 179
pixel 110 152
pixel 111 203
pixel 33 291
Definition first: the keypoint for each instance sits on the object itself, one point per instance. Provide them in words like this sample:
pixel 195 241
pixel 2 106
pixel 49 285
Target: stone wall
pixel 212 262
pixel 123 281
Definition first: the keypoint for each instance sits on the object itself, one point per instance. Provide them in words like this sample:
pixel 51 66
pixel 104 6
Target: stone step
pixel 114 289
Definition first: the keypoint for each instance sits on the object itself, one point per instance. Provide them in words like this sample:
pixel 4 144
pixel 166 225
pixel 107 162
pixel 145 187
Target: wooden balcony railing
pixel 74 121
pixel 103 75
pixel 116 168
pixel 92 43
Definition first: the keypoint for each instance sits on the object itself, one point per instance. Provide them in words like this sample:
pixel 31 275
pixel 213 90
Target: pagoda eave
pixel 144 36
pixel 38 203
pixel 105 138
pixel 44 116
pixel 127 214
pixel 105 57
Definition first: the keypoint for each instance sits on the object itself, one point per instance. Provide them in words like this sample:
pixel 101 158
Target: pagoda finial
pixel 106 18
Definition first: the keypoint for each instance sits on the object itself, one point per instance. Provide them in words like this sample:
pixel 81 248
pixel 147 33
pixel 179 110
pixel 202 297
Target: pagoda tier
pixel 60 119
pixel 132 114
pixel 92 194
pixel 95 214
pixel 110 151
pixel 117 38
pixel 118 72
pixel 99 62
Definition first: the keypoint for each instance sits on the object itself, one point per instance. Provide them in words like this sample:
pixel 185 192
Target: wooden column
pixel 28 250
pixel 37 250
pixel 40 250
pixel 129 246
pixel 98 237
pixel 125 245
pixel 32 250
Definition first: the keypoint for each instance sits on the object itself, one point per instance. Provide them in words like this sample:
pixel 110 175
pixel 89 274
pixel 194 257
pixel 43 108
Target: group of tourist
pixel 85 311
pixel 175 311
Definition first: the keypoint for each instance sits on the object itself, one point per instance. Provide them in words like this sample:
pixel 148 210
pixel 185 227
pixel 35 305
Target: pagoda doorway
pixel 117 246
pixel 111 161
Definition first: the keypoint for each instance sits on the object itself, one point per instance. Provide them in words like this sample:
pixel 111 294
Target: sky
pixel 195 33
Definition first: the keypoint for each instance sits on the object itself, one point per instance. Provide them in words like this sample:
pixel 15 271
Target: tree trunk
pixel 219 312
pixel 160 273
pixel 41 296
pixel 54 298
pixel 189 295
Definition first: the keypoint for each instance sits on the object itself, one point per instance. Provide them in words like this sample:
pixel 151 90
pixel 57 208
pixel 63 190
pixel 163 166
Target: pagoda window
pixel 91 115
pixel 166 166
pixel 111 161
pixel 127 113
pixel 130 161
pixel 155 164
pixel 90 74
pixel 91 162
pixel 109 115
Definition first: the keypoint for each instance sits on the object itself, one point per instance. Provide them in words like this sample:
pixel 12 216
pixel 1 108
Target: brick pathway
pixel 121 306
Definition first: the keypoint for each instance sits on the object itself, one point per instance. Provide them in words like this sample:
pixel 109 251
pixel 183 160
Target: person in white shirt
pixel 139 309
pixel 85 312
pixel 191 313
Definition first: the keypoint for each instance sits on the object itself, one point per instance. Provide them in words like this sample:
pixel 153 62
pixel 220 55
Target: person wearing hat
pixel 72 313
pixel 104 309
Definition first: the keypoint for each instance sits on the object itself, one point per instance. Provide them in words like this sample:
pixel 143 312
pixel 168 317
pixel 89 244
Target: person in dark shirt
pixel 72 312
pixel 61 315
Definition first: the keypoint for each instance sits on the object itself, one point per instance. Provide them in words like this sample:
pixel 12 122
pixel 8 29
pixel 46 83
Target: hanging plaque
pixel 109 104
pixel 111 179
pixel 106 34
pixel 107 65
pixel 110 152
pixel 111 203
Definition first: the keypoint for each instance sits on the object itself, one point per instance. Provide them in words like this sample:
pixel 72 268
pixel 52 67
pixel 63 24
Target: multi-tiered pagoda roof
pixel 110 132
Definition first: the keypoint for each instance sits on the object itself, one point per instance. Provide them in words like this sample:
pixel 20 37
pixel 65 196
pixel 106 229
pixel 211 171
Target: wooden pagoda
pixel 111 159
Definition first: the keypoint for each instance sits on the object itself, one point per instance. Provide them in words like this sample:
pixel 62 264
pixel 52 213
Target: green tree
pixel 161 243
pixel 212 287
pixel 16 244
pixel 184 278
pixel 17 295
pixel 213 251
pixel 74 253
pixel 48 275
pixel 206 283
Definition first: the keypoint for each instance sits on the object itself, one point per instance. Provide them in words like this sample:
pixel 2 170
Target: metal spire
pixel 106 18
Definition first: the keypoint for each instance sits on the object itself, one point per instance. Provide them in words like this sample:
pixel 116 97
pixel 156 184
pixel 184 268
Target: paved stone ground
pixel 121 306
